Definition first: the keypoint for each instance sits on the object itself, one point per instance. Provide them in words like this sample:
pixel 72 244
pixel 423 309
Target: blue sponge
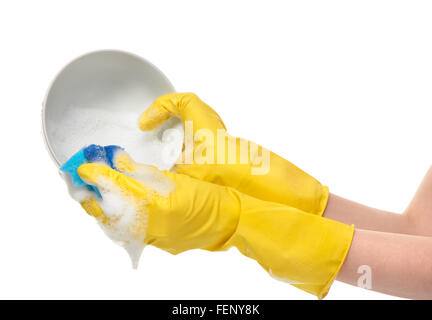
pixel 92 153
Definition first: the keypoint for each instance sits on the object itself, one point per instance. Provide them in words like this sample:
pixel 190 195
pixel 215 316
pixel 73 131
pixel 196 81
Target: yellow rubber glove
pixel 278 180
pixel 176 213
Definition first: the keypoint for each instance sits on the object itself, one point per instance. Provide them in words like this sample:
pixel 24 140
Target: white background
pixel 340 88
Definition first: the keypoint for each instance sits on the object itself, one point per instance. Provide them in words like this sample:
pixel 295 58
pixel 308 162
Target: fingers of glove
pixel 124 163
pixel 104 178
pixel 148 175
pixel 186 106
pixel 93 209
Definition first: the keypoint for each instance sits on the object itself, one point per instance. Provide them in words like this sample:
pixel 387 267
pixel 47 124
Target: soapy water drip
pixel 135 254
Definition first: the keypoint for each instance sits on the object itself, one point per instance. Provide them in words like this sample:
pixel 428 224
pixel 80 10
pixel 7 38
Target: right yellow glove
pixel 176 213
pixel 277 181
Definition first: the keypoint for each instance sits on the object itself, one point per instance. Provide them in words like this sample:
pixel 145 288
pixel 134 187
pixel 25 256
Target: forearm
pixel 416 220
pixel 364 217
pixel 400 264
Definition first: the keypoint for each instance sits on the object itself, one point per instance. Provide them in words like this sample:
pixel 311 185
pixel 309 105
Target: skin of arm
pixel 400 264
pixel 416 220
pixel 364 217
pixel 396 248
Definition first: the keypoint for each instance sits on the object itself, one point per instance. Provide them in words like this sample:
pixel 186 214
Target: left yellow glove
pixel 176 213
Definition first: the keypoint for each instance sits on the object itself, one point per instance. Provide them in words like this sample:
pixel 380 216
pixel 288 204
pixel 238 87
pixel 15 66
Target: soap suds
pixel 153 179
pixel 126 218
pixel 125 223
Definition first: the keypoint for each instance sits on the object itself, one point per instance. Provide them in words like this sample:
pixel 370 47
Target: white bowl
pixel 97 99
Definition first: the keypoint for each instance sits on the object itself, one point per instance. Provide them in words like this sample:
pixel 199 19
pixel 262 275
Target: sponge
pixel 92 153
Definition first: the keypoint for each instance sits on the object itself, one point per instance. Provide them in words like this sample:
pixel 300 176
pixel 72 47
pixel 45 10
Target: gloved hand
pixel 282 183
pixel 176 212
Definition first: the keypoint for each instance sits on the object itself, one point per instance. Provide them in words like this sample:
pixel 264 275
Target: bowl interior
pixel 98 98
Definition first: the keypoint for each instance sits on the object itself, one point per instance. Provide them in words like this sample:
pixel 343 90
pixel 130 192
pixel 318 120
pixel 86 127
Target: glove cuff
pixel 300 248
